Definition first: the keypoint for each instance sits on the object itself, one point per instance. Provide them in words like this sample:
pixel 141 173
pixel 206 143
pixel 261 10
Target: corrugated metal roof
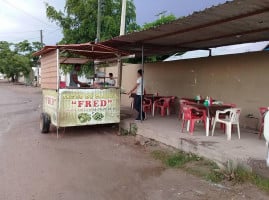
pixel 224 50
pixel 89 50
pixel 234 22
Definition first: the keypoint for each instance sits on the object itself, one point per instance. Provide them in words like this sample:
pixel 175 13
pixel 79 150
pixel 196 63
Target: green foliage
pixel 209 170
pixel 27 49
pixel 16 59
pixel 164 19
pixel 241 175
pixel 79 19
pixel 174 160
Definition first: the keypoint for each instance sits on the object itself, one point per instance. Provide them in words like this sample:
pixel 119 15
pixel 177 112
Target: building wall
pixel 129 76
pixel 241 79
pixel 49 70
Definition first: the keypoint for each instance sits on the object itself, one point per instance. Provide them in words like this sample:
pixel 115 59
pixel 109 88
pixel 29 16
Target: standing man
pixel 139 95
pixel 74 77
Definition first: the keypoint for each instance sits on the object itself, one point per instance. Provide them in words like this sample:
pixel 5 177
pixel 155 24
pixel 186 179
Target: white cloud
pixel 22 20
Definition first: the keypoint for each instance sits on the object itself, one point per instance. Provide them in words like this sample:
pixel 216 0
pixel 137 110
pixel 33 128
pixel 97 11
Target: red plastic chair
pixel 172 103
pixel 62 84
pixel 147 105
pixel 183 102
pixel 263 111
pixel 193 115
pixel 230 104
pixel 163 104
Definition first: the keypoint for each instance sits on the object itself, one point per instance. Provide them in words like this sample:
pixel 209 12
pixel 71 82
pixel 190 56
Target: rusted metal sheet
pixel 89 50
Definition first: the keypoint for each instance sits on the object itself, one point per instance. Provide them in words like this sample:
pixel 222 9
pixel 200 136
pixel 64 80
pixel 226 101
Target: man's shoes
pixel 137 119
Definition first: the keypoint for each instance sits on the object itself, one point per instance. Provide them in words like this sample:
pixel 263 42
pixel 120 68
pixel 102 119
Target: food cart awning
pixel 89 51
pixel 234 22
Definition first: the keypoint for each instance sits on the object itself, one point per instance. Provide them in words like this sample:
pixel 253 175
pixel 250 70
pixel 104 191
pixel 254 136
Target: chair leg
pixel 183 124
pixel 188 125
pixel 192 126
pixel 162 111
pixel 238 130
pixel 261 130
pixel 204 121
pixel 214 125
pixel 179 115
pixel 168 111
pixel 154 108
pixel 228 131
pixel 223 126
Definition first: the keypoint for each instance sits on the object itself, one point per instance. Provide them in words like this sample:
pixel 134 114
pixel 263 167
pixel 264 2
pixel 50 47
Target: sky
pixel 23 20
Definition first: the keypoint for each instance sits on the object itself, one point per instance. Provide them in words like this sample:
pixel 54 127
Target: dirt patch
pixel 146 173
pixel 260 167
pixel 209 144
pixel 89 163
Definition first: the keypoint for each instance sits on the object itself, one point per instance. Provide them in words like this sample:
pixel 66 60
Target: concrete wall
pixel 242 79
pixel 129 76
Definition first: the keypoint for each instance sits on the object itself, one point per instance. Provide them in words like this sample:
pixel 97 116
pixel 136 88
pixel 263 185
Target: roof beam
pixel 207 24
pixel 226 36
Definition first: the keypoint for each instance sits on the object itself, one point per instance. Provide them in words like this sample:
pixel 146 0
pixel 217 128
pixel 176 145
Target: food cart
pixel 64 106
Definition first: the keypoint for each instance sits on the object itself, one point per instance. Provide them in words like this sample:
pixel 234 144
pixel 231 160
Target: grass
pixel 209 170
pixel 174 160
pixel 241 176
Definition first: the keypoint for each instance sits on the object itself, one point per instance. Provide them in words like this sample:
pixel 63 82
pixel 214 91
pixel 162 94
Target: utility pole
pixel 41 41
pixel 41 37
pixel 123 17
pixel 98 22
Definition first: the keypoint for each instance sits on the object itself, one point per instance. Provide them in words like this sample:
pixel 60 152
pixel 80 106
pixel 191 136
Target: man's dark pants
pixel 137 106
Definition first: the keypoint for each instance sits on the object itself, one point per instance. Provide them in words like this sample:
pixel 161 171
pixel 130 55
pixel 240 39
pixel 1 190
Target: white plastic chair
pixel 232 119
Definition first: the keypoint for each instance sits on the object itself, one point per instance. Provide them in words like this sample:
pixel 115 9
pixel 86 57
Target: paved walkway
pixel 249 150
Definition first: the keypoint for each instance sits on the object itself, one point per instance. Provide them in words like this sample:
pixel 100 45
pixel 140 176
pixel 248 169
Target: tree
pixel 27 49
pixel 79 19
pixel 164 19
pixel 16 59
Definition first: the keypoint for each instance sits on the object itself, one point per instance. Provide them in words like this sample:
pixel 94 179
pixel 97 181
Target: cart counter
pixel 82 106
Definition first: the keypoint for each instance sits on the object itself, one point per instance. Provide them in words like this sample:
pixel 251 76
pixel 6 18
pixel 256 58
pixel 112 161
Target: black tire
pixel 44 123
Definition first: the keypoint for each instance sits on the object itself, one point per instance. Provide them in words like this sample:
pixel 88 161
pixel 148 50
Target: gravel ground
pixel 87 163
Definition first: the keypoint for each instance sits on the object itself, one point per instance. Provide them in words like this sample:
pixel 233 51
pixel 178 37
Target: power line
pixel 22 39
pixel 19 38
pixel 25 12
pixel 30 31
pixel 17 33
pixel 51 32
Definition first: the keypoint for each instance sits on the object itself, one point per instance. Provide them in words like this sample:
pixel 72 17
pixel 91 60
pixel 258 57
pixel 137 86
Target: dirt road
pixel 90 163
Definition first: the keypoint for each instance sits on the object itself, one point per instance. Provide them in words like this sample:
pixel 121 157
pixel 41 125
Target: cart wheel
pixel 44 123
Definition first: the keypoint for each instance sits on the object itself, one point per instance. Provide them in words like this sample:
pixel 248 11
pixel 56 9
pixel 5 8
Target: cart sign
pixel 79 107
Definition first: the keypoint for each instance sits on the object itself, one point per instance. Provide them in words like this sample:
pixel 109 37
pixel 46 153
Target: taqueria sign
pixel 82 106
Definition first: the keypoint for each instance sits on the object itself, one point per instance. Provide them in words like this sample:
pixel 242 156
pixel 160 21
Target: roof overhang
pixel 85 52
pixel 234 22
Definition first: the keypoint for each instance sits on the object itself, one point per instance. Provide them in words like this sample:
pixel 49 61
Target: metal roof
pixel 88 50
pixel 233 22
pixel 223 50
